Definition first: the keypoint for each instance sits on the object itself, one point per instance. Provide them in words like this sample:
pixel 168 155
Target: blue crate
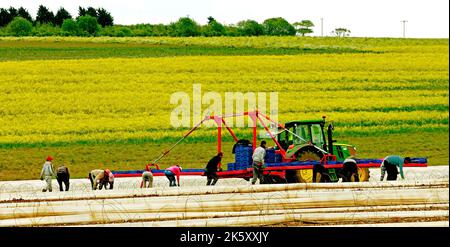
pixel 243 156
pixel 231 166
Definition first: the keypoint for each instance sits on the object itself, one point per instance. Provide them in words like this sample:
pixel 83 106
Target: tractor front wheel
pixel 363 174
pixel 305 175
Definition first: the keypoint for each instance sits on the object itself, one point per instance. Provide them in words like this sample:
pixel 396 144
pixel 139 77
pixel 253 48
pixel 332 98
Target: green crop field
pixel 105 102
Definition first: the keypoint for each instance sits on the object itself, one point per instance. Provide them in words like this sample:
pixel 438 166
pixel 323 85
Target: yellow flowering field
pixel 395 86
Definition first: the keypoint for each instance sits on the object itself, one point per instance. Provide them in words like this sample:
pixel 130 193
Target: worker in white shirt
pixel 258 163
pixel 47 173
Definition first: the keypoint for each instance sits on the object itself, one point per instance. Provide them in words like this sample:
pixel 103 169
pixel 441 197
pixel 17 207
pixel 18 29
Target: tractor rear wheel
pixel 364 174
pixel 306 175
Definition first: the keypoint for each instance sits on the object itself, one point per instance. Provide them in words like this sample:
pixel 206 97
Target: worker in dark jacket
pixel 211 169
pixel 320 174
pixel 349 172
pixel 63 176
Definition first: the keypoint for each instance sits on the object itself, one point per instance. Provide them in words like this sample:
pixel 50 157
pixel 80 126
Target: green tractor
pixel 306 140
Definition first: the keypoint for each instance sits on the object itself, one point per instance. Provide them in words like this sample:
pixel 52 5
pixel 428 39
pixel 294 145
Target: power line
pixel 404 27
pixel 321 26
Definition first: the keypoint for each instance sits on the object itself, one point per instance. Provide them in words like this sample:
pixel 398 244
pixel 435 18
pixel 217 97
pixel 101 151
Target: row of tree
pixel 99 22
pixel 45 16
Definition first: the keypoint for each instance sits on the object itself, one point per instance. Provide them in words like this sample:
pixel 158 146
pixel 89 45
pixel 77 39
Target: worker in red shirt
pixel 171 173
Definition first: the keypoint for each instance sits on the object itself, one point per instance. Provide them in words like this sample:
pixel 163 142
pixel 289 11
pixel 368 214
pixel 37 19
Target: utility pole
pixel 321 26
pixel 404 28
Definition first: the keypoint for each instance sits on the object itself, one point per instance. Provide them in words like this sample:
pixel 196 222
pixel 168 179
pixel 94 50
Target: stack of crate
pixel 243 157
pixel 272 157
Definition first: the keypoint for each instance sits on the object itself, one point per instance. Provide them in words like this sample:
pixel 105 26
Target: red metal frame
pixel 280 171
pixel 255 117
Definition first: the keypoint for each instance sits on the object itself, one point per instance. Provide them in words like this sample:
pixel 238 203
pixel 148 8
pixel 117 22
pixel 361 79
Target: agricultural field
pixel 420 200
pixel 105 102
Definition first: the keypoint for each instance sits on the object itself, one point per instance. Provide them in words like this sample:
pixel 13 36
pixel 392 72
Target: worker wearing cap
pixel 47 173
pixel 171 173
pixel 349 172
pixel 63 176
pixel 147 176
pixel 390 165
pixel 258 162
pixel 211 169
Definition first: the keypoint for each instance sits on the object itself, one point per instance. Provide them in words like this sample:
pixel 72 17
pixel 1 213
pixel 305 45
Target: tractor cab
pixel 306 132
pixel 307 140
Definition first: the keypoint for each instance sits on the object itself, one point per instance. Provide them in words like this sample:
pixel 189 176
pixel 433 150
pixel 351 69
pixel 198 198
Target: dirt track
pixel 420 200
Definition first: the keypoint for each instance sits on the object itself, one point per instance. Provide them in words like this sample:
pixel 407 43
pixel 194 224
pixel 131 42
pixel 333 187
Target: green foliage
pixel 5 17
pixel 116 31
pixel 20 27
pixel 24 14
pixel 70 27
pixel 185 27
pixel 88 25
pixel 142 30
pixel 43 30
pixel 278 27
pixel 232 31
pixel 104 17
pixel 250 28
pixel 60 16
pixel 124 32
pixel 44 15
pixel 161 30
pixel 13 12
pixel 3 32
pixel 213 28
pixel 341 32
pixel 81 12
pixel 92 12
pixel 304 27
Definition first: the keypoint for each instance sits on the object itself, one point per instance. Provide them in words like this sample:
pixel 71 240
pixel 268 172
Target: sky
pixel 364 18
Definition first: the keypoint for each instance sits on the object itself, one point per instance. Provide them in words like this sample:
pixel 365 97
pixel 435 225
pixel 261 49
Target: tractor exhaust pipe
pixel 330 138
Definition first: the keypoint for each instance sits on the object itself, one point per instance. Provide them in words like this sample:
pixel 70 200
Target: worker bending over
pixel 349 172
pixel 258 163
pixel 47 173
pixel 63 176
pixel 101 178
pixel 320 174
pixel 147 177
pixel 171 173
pixel 211 169
pixel 108 182
pixel 390 164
